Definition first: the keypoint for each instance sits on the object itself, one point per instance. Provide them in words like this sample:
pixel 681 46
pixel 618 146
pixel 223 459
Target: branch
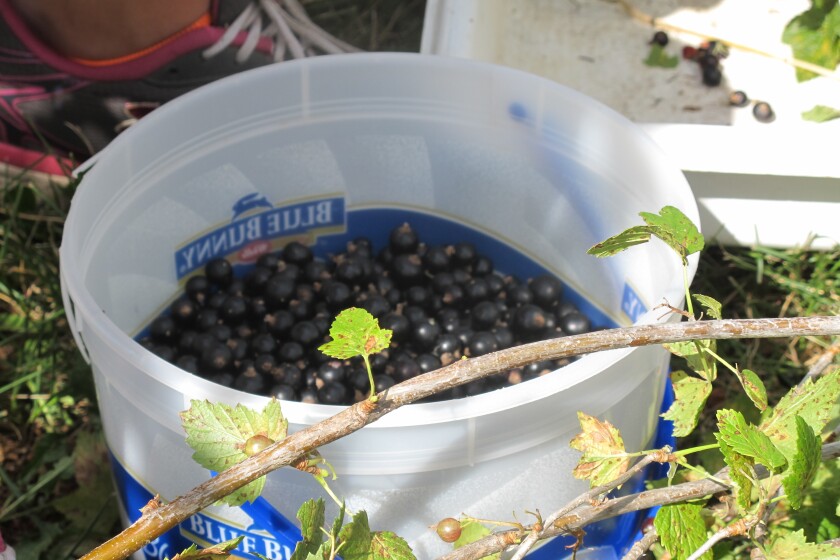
pixel 642 545
pixel 740 527
pixel 589 496
pixel 151 525
pixel 588 513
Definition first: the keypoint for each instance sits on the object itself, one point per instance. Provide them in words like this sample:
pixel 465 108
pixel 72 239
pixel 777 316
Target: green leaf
pixel 690 394
pixel 803 463
pixel 356 538
pixel 386 545
pixel 218 432
pixel 219 551
pixel 748 440
pixel 753 388
pixel 337 525
pixel 355 332
pixel 793 546
pixel 681 529
pixel 821 113
pixel 603 456
pixel 712 306
pixel 741 473
pixel 472 531
pixel 311 517
pixel 658 57
pixel 814 36
pixel 814 401
pixel 635 235
pixel 674 228
pixel 695 356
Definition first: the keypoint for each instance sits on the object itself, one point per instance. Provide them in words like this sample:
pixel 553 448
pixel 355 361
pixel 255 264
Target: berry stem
pixel 373 397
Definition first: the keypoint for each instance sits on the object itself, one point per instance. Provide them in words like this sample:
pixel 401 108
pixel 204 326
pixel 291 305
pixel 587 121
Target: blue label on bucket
pixel 631 304
pixel 254 224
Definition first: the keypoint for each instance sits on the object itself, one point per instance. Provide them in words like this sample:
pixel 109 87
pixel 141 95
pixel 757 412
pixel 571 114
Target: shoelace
pixel 289 27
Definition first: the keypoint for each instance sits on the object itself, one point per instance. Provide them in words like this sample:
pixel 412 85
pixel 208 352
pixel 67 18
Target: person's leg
pixel 105 29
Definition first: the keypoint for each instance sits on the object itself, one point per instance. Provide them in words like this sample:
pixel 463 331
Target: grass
pixel 56 498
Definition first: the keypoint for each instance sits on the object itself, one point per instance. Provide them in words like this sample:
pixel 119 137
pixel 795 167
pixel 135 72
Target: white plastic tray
pixel 773 183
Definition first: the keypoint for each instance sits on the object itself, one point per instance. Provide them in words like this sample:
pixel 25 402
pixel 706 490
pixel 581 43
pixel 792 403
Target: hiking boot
pixel 55 112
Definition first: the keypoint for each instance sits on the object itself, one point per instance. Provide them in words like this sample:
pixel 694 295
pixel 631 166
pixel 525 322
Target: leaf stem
pixel 373 397
pixel 696 449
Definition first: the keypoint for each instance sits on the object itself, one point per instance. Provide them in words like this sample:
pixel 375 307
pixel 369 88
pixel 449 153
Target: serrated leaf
pixel 748 440
pixel 356 538
pixel 821 113
pixel 712 306
pixel 803 463
pixel 697 359
pixel 338 523
pixel 794 546
pixel 681 529
pixel 217 434
pixel 355 332
pixel 674 228
pixel 753 388
pixel 472 531
pixel 635 235
pixel 386 545
pixel 690 395
pixel 603 456
pixel 659 58
pixel 814 401
pixel 219 551
pixel 741 473
pixel 814 36
pixel 311 517
pixel 819 517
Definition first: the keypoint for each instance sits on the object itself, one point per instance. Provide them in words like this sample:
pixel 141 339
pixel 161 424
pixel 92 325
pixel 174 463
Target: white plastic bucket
pixel 520 161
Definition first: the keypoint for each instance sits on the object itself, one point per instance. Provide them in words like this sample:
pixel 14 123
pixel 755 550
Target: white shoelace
pixel 290 28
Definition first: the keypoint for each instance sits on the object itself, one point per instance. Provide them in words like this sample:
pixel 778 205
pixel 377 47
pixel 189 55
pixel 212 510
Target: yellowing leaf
pixel 603 456
pixel 753 388
pixel 218 432
pixel 355 332
pixel 690 395
pixel 794 546
pixel 219 551
pixel 695 356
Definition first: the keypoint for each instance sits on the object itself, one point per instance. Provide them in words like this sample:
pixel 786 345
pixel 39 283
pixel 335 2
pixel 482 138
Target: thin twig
pixel 353 418
pixel 528 542
pixel 642 545
pixel 740 527
pixel 791 61
pixel 588 513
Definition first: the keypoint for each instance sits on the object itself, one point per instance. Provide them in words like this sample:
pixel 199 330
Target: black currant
pixel 738 99
pixel 337 295
pixel 279 323
pixel 187 362
pixel 256 279
pixel 436 259
pixel 278 290
pixel 306 333
pixel 407 269
pixel 184 310
pixel 332 372
pixel 284 392
pixel 234 310
pixel 546 290
pixel 219 272
pixel 163 329
pixel 403 239
pixel 216 358
pixel 198 289
pixel 529 319
pixel 382 382
pixel 424 334
pixel 482 342
pixel 574 323
pixel 463 254
pixel 484 315
pixel 268 261
pixel 659 38
pixel 296 252
pixel 290 351
pixel 763 112
pixel 398 324
pixel 428 362
pixel 333 393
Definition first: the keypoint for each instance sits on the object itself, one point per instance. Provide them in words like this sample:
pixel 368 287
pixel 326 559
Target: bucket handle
pixel 73 322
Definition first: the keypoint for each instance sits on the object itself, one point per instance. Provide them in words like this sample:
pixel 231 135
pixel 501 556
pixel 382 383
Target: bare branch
pixel 642 545
pixel 740 527
pixel 587 513
pixel 588 496
pixel 353 418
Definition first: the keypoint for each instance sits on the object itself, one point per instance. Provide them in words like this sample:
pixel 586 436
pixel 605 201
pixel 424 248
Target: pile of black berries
pixel 260 333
